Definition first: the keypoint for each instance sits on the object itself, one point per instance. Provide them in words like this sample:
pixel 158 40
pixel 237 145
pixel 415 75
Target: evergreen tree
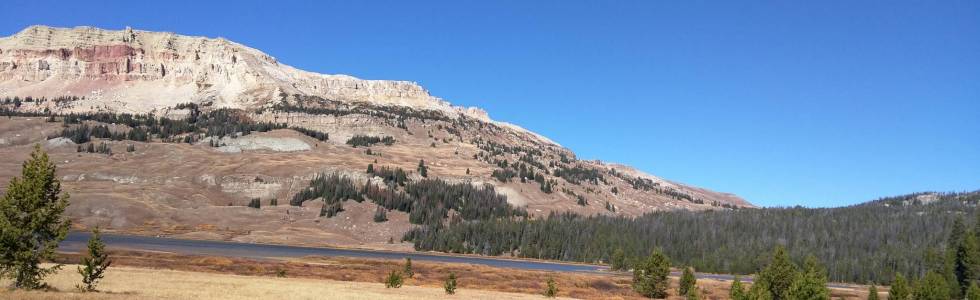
pixel 32 222
pixel 423 170
pixel 618 260
pixel 94 265
pixel 687 281
pixel 408 268
pixel 552 288
pixel 872 292
pixel 693 293
pixel 650 275
pixel 394 280
pixel 370 169
pixel 779 274
pixel 450 285
pixel 973 292
pixel 951 265
pixel 759 291
pixel 932 287
pixel 900 289
pixel 811 284
pixel 967 262
pixel 737 292
pixel 381 215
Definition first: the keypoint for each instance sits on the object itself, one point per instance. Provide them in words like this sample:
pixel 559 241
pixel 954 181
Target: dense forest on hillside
pixel 427 201
pixel 861 243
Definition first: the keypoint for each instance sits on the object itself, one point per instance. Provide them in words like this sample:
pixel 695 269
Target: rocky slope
pixel 160 185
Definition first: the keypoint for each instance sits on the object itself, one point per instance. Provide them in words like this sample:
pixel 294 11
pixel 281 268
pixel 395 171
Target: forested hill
pixel 927 198
pixel 861 243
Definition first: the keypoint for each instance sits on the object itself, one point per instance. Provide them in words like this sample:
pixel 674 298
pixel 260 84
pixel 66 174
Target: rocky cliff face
pixel 139 71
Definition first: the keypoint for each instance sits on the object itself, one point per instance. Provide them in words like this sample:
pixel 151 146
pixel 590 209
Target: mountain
pixel 160 133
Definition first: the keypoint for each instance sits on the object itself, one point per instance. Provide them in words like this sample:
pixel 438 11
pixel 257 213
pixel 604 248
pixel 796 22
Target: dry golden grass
pixel 128 283
pixel 146 275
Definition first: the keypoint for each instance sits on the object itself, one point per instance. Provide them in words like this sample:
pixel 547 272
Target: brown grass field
pixel 145 275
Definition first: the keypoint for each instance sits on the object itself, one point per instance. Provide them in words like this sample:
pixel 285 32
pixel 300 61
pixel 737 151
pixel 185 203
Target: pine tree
pixel 94 265
pixel 394 280
pixel 423 170
pixel 779 274
pixel 973 292
pixel 759 291
pixel 811 283
pixel 32 222
pixel 408 268
pixel 737 292
pixel 618 260
pixel 450 285
pixel 650 275
pixel 381 215
pixel 872 292
pixel 932 287
pixel 370 169
pixel 967 262
pixel 693 293
pixel 950 267
pixel 687 282
pixel 552 288
pixel 899 289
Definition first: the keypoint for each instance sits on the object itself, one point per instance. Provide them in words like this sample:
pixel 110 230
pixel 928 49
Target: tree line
pixel 864 243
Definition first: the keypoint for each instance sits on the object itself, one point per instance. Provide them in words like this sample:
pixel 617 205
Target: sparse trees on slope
pixel 94 265
pixel 650 275
pixel 32 222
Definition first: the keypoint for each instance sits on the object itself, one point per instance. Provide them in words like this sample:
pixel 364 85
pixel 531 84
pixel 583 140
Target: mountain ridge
pixel 246 126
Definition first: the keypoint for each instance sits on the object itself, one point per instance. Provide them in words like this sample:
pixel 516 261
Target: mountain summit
pixel 181 135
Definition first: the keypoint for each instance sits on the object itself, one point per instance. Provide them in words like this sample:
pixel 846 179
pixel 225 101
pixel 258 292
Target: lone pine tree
pixel 32 222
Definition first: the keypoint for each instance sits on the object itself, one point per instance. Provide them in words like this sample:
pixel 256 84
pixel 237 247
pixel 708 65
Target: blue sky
pixel 817 103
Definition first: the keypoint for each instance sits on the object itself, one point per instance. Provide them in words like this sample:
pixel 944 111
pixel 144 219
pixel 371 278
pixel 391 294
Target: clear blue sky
pixel 818 103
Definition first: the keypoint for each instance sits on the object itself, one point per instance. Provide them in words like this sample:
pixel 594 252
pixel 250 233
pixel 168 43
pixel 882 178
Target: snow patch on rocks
pixel 251 143
pixel 52 143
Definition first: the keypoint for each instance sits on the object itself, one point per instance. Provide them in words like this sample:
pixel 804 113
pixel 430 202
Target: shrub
pixel 408 268
pixel 450 284
pixel 552 289
pixel 255 203
pixel 380 215
pixel 394 280
pixel 687 282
